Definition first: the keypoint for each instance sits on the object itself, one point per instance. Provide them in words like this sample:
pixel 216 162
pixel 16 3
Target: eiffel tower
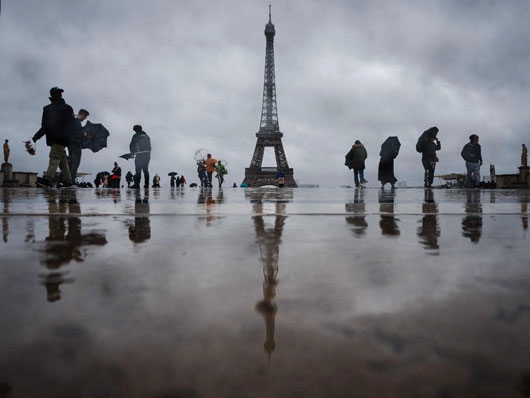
pixel 269 134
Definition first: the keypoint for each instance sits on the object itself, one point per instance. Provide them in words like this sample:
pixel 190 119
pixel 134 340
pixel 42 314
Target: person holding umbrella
pixel 59 126
pixel 389 151
pixel 428 144
pixel 140 147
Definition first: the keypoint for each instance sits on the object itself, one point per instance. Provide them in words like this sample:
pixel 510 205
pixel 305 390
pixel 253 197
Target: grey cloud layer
pixel 192 74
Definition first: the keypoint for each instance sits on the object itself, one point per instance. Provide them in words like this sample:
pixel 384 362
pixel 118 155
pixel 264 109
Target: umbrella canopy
pixel 390 148
pixel 173 173
pixel 200 154
pixel 94 137
pixel 427 135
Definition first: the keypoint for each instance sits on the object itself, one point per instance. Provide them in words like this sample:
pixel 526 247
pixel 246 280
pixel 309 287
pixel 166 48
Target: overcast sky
pixel 191 72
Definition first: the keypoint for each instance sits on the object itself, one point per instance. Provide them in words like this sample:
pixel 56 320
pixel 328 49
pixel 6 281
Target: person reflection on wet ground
pixel 269 241
pixel 358 221
pixel 220 196
pixel 65 241
pixel 472 222
pixel 207 201
pixel 140 231
pixel 6 197
pixel 429 232
pixel 388 222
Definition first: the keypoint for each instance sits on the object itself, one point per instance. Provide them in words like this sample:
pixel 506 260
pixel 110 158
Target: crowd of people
pixel 428 144
pixel 64 130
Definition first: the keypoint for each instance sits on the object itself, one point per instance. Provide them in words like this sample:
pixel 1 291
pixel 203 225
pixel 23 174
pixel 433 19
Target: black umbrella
pixel 427 135
pixel 94 137
pixel 172 174
pixel 390 148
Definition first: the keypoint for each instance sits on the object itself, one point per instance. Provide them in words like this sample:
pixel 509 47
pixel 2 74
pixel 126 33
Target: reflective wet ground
pixel 264 293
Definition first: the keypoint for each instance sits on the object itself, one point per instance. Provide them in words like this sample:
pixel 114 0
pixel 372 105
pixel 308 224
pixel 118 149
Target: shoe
pixel 43 183
pixel 364 181
pixel 66 185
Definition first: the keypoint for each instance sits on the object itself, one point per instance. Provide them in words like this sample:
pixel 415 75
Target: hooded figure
pixel 389 151
pixel 355 160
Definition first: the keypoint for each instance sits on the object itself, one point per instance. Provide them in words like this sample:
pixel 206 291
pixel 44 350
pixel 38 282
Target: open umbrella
pixel 427 135
pixel 390 148
pixel 173 173
pixel 200 154
pixel 94 137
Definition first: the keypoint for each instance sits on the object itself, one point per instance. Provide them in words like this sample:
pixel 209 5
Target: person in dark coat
pixel 58 124
pixel 429 159
pixel 355 160
pixel 141 146
pixel 129 178
pixel 472 154
pixel 74 149
pixel 385 172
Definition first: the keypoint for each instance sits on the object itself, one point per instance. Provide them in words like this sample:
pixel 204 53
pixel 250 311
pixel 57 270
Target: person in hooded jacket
pixel 472 154
pixel 58 124
pixel 355 160
pixel 141 146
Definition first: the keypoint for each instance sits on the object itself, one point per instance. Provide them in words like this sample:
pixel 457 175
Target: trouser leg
pixel 429 171
pixel 65 169
pixel 138 171
pixel 146 173
pixel 55 158
pixel 209 173
pixel 356 177
pixel 469 174
pixel 361 176
pixel 74 152
pixel 476 172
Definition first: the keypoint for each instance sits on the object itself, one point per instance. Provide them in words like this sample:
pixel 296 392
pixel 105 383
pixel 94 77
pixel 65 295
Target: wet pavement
pixel 264 293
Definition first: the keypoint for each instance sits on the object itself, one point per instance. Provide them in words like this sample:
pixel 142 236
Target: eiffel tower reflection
pixel 269 239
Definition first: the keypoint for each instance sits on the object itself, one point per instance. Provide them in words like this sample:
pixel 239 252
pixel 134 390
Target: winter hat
pixel 137 128
pixel 472 137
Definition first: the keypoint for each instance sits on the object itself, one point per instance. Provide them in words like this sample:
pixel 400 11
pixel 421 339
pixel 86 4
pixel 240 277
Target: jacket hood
pixel 358 145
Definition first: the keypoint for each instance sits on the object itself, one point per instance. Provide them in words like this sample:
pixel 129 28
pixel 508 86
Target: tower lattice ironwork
pixel 269 134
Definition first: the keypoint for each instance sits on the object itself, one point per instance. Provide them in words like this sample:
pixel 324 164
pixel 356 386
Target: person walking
pixel 221 172
pixel 472 154
pixel 140 146
pixel 355 160
pixel 389 151
pixel 75 148
pixel 430 144
pixel 59 126
pixel 182 181
pixel 129 178
pixel 210 167
pixel 201 172
pixel 172 181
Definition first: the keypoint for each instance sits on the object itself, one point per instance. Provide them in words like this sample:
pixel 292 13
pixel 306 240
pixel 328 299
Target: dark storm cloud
pixel 192 74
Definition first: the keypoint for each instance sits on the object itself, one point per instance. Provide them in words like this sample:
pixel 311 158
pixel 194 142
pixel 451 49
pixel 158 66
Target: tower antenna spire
pixel 270 13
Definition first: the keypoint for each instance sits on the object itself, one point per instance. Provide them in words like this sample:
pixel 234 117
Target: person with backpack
pixel 140 146
pixel 472 154
pixel 427 145
pixel 355 160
